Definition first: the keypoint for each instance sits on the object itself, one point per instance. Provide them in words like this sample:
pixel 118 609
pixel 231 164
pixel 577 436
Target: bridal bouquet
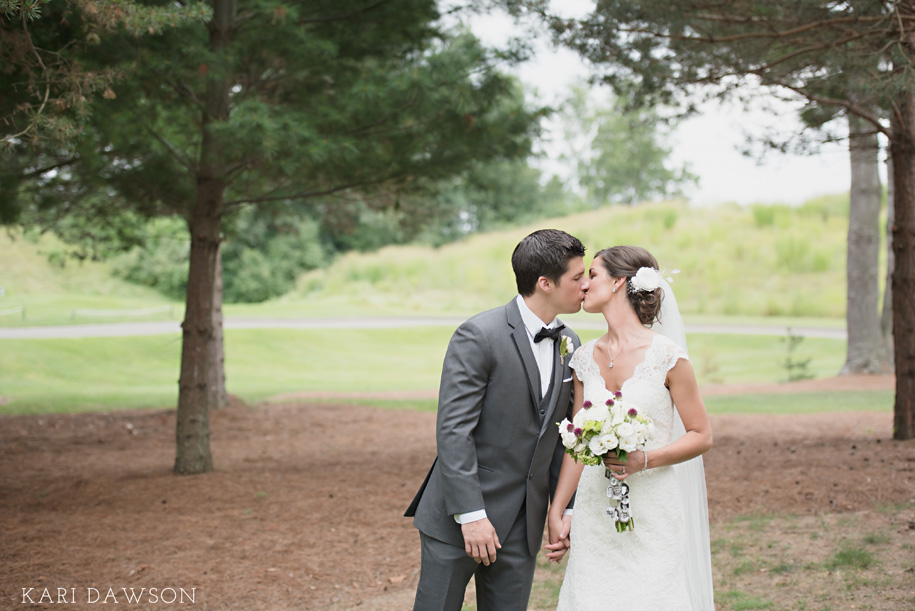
pixel 615 426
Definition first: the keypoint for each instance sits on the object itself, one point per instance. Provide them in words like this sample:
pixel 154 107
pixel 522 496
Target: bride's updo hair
pixel 624 262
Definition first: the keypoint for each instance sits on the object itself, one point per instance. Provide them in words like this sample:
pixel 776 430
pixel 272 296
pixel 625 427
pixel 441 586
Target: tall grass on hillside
pixel 757 261
pixel 38 275
pixel 750 261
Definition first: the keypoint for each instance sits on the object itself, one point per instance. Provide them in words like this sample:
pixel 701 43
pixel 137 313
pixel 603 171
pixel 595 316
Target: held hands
pixel 558 527
pixel 635 462
pixel 481 541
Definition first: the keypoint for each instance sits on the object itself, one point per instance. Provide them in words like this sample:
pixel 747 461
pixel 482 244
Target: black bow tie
pixel 548 333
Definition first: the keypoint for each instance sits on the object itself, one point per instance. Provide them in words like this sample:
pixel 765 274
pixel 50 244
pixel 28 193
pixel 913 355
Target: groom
pixel 481 510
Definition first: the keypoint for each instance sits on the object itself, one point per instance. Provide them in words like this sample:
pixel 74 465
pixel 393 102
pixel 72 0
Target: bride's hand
pixel 621 470
pixel 558 527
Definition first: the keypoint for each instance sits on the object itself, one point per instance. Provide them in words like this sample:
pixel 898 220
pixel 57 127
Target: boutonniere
pixel 565 348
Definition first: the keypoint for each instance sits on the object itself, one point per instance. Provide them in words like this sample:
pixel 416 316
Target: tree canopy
pixel 262 106
pixel 49 91
pixel 620 153
pixel 854 56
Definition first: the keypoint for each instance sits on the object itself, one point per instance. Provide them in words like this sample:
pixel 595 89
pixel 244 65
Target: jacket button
pixel 542 412
pixel 530 476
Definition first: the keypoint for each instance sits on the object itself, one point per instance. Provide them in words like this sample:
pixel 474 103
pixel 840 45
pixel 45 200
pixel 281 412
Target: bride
pixel 665 562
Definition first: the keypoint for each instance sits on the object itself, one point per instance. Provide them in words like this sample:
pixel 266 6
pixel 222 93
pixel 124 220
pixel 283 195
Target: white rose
pixel 568 439
pixel 609 441
pixel 625 430
pixel 628 444
pixel 599 412
pixel 580 418
pixel 646 279
pixel 617 414
pixel 566 347
pixel 602 444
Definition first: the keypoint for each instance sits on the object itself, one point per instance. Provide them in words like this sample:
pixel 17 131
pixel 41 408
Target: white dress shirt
pixel 543 354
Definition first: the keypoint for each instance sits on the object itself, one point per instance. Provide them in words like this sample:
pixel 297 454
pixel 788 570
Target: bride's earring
pixel 613 290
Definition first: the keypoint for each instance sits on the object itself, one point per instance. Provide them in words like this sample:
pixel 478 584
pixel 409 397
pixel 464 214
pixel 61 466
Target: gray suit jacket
pixel 495 448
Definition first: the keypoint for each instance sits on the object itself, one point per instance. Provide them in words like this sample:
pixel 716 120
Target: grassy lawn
pixel 829 562
pixel 63 375
pixel 742 266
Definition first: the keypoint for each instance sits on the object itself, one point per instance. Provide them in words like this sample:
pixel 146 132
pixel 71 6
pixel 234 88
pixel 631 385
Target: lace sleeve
pixel 579 360
pixel 674 353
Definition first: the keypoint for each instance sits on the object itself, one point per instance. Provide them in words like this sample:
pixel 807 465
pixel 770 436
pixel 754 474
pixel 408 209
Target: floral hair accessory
pixel 648 279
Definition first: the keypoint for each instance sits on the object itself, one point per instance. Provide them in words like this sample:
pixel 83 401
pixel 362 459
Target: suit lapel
pixel 523 345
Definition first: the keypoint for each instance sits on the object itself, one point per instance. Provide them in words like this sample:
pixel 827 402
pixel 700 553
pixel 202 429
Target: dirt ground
pixel 304 509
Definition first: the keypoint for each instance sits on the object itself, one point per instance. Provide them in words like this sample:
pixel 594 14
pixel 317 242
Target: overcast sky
pixel 709 144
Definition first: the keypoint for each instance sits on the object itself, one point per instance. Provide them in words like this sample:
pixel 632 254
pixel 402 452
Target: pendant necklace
pixel 613 358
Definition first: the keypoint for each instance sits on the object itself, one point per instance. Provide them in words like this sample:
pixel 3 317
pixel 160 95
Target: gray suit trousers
pixel 504 585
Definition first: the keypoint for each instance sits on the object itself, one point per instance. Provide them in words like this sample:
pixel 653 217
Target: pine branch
pixel 848 105
pixel 189 165
pixel 344 16
pixel 232 205
pixel 47 91
pixel 39 171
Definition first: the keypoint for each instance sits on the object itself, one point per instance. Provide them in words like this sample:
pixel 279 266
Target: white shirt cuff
pixel 568 511
pixel 472 516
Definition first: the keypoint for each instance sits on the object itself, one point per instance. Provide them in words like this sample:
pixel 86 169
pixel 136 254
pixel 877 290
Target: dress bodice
pixel 644 390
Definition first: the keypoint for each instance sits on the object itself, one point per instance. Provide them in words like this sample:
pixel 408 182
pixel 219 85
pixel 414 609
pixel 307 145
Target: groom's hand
pixel 558 528
pixel 481 541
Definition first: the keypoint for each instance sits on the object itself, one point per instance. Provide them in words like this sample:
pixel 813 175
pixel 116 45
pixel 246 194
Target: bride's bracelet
pixel 645 468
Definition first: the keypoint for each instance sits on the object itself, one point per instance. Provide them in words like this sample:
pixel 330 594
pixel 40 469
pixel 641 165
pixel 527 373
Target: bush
pixel 261 257
pixel 264 256
pixel 162 261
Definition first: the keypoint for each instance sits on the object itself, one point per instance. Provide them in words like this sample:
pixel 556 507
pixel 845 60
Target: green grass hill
pixel 735 261
pixel 759 261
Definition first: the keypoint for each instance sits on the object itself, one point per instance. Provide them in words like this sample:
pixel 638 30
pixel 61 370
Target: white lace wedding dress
pixel 643 569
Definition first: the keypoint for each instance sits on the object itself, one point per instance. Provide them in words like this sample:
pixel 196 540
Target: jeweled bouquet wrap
pixel 594 431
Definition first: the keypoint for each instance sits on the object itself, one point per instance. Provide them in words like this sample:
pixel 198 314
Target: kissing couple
pixel 510 376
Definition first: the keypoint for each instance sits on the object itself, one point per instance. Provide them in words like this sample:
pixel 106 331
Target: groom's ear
pixel 544 284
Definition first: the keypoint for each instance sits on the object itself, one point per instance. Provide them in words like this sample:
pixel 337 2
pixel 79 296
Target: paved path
pixel 121 329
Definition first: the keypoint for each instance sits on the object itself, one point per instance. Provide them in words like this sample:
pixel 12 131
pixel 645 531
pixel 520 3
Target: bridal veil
pixel 691 479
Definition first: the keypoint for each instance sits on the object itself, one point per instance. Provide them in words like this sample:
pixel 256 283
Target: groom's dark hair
pixel 544 253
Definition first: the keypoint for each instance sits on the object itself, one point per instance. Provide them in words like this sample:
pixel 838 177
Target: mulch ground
pixel 304 509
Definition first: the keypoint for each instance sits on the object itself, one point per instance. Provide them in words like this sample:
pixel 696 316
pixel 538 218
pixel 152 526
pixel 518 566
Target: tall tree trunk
pixel 217 364
pixel 886 318
pixel 195 395
pixel 866 349
pixel 192 433
pixel 903 150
